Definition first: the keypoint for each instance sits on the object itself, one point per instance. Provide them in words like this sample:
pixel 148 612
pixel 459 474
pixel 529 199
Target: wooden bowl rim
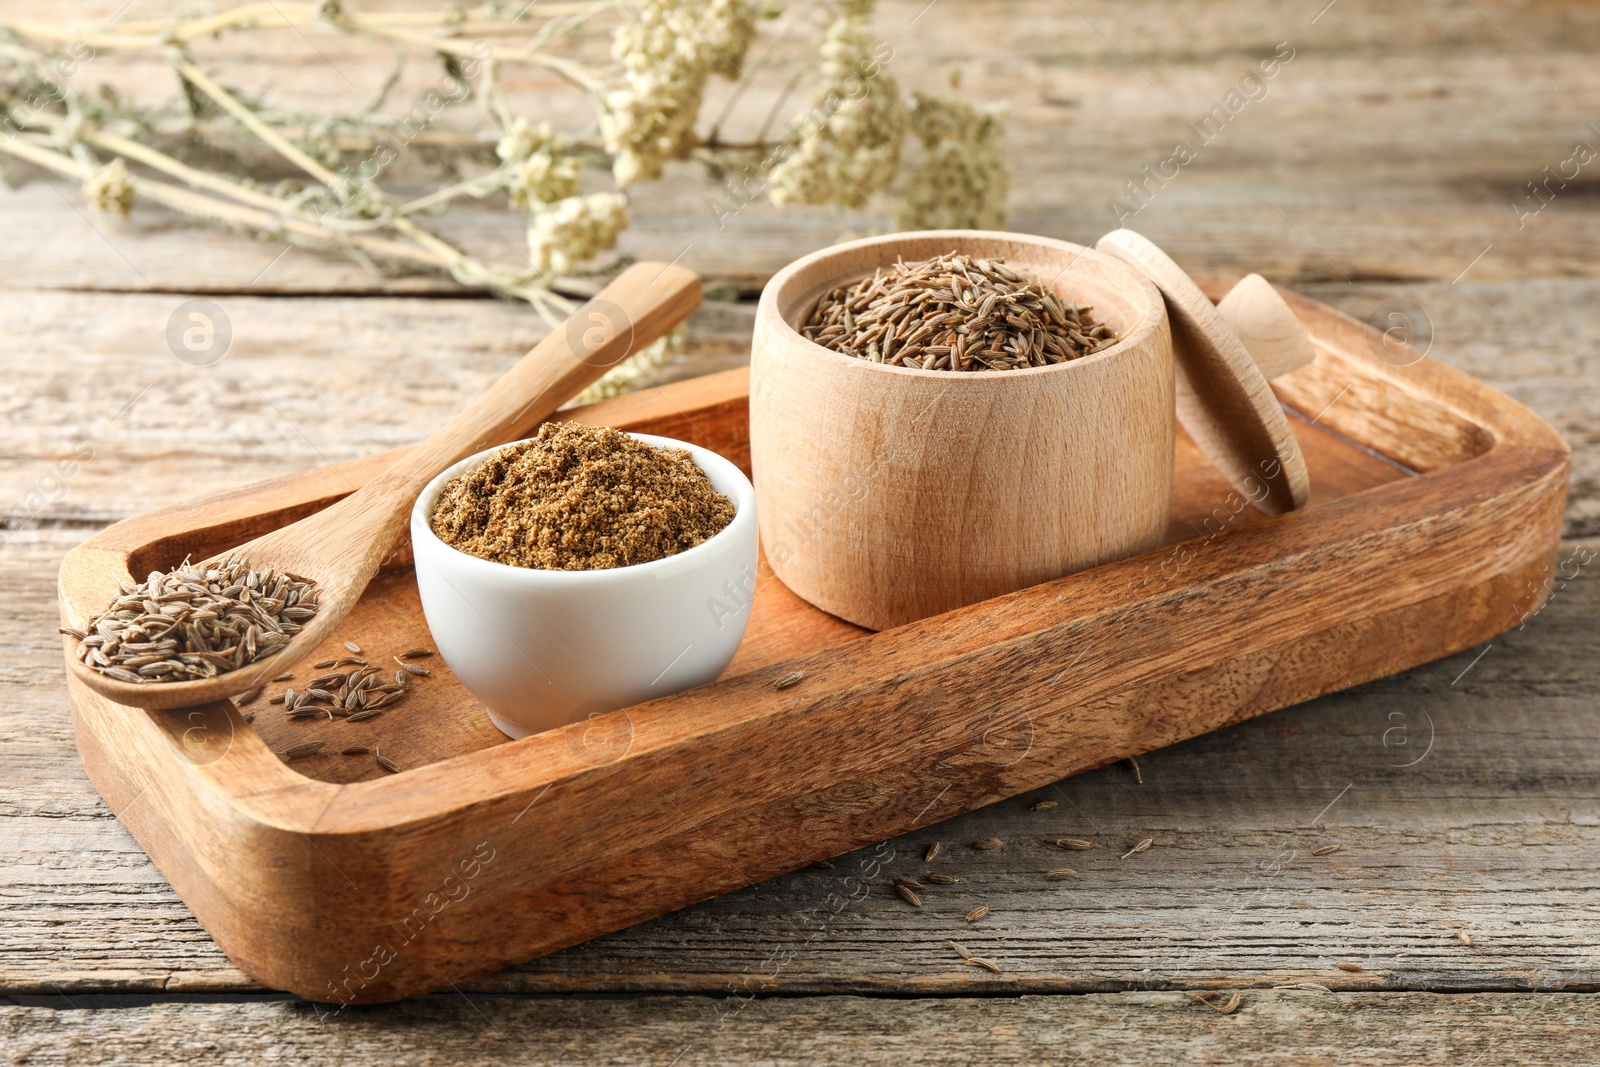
pixel 1149 322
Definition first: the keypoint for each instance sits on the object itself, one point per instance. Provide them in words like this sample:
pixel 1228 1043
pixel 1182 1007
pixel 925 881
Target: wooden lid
pixel 1223 398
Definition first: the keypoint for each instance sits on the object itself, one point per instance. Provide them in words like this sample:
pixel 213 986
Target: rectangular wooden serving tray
pixel 1436 510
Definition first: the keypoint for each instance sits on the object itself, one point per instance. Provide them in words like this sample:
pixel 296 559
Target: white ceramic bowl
pixel 545 648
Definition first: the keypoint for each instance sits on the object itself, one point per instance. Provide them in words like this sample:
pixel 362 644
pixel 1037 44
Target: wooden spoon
pixel 341 547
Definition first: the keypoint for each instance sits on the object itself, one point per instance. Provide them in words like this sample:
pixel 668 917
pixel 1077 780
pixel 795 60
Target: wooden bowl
pixel 886 494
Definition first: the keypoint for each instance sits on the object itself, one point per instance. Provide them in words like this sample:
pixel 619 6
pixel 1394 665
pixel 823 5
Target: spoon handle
pixel 640 305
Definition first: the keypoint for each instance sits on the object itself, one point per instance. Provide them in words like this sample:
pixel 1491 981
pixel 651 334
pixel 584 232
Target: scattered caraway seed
pixel 277 699
pixel 200 620
pixel 353 647
pixel 247 696
pixel 355 750
pixel 909 883
pixel 284 677
pixel 822 865
pixel 962 950
pixel 369 713
pixel 1225 1008
pixel 979 961
pixel 1353 968
pixel 400 678
pixel 789 680
pixel 412 668
pixel 932 853
pixel 249 716
pixel 1326 850
pixel 908 895
pixel 322 664
pixel 1138 776
pixel 1060 874
pixel 386 763
pixel 304 748
pixel 942 879
pixel 984 844
pixel 1464 937
pixel 416 653
pixel 1140 847
pixel 979 912
pixel 1043 805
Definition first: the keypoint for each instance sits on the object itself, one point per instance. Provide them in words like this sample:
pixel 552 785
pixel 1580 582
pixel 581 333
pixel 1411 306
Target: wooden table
pixel 1456 923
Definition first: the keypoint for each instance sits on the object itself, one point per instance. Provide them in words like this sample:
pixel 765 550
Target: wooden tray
pixel 1436 509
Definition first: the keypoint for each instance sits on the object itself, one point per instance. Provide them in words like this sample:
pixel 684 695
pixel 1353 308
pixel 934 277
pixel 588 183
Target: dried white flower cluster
pixel 109 188
pixel 848 145
pixel 962 179
pixel 542 169
pixel 668 52
pixel 564 234
pixel 731 27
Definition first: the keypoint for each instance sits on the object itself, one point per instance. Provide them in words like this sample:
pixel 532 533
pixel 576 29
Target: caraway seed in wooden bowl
pixel 956 313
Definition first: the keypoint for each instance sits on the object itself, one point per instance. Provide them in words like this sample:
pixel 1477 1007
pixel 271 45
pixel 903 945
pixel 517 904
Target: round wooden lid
pixel 1223 399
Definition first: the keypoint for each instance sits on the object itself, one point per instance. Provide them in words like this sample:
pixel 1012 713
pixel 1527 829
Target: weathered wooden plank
pixel 102 420
pixel 1266 1027
pixel 317 380
pixel 1494 831
pixel 1323 177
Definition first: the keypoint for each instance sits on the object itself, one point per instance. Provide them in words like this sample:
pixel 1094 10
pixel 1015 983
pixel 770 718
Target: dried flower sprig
pixel 200 155
pixel 854 148
pixel 961 181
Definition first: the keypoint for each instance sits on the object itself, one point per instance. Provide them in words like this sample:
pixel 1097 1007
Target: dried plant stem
pixel 436 254
pixel 155 33
pixel 193 203
pixel 646 99
pixel 472 188
pixel 449 256
pixel 156 160
pixel 202 81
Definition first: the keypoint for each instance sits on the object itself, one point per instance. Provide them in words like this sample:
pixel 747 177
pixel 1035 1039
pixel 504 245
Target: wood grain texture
pixel 99 382
pixel 1131 687
pixel 1496 831
pixel 1390 152
pixel 1223 398
pixel 889 494
pixel 1534 340
pixel 105 422
pixel 1344 186
pixel 711 410
pixel 1415 1030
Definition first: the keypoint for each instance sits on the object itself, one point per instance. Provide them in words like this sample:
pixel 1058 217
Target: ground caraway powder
pixel 580 498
